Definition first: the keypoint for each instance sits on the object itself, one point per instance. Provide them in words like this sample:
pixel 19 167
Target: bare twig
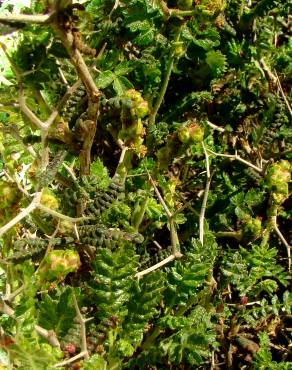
pixel 205 198
pixel 116 4
pixel 215 127
pixel 283 94
pixel 72 359
pixel 5 308
pixel 161 200
pixel 174 12
pixel 173 235
pixel 24 213
pixel 13 130
pixel 10 296
pixel 207 160
pixel 162 263
pixel 43 126
pixel 27 18
pixel 49 335
pixel 123 153
pixel 68 41
pixel 213 360
pixel 238 158
pixel 273 220
pixel 70 171
pixel 82 322
pixel 60 215
pixel 35 204
pixel 61 73
pixel 247 304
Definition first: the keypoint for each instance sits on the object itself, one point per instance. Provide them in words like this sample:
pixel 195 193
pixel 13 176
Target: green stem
pixel 174 238
pixel 229 234
pixel 151 338
pixel 164 86
pixel 139 213
pixel 162 92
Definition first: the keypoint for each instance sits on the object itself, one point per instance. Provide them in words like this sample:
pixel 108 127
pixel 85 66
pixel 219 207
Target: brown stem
pixel 67 39
pixel 27 18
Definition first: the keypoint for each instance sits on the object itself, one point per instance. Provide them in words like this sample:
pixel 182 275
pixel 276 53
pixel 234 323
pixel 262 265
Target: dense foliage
pixel 145 162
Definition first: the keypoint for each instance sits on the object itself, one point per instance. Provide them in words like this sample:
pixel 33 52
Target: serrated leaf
pixel 139 25
pixel 145 38
pixel 121 85
pixel 124 68
pixel 206 44
pixel 105 79
pixel 57 314
pixel 96 362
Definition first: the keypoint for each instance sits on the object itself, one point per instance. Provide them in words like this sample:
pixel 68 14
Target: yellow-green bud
pixel 49 199
pixel 252 228
pixel 183 134
pixel 279 172
pixel 193 133
pixel 58 263
pixel 9 194
pixel 277 179
pixel 178 49
pixel 142 109
pixel 134 95
pixel 196 133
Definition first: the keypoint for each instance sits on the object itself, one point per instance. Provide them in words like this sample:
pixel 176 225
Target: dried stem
pixel 162 263
pixel 89 130
pixel 10 296
pixel 24 213
pixel 161 200
pixel 205 198
pixel 49 335
pixel 283 94
pixel 13 130
pixel 173 235
pixel 275 227
pixel 215 127
pixel 27 18
pixel 238 158
pixel 35 204
pixel 174 12
pixel 82 322
pixel 68 41
pixel 72 359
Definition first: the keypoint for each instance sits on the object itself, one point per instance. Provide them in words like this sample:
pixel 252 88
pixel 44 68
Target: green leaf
pixel 96 362
pixel 121 85
pixel 145 38
pixel 57 313
pixel 112 281
pixel 193 341
pixel 124 68
pixel 98 169
pixel 206 44
pixel 104 79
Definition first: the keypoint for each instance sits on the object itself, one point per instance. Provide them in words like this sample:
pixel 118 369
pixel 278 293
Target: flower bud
pixel 9 194
pixel 134 95
pixel 193 133
pixel 252 228
pixel 58 263
pixel 49 199
pixel 142 109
